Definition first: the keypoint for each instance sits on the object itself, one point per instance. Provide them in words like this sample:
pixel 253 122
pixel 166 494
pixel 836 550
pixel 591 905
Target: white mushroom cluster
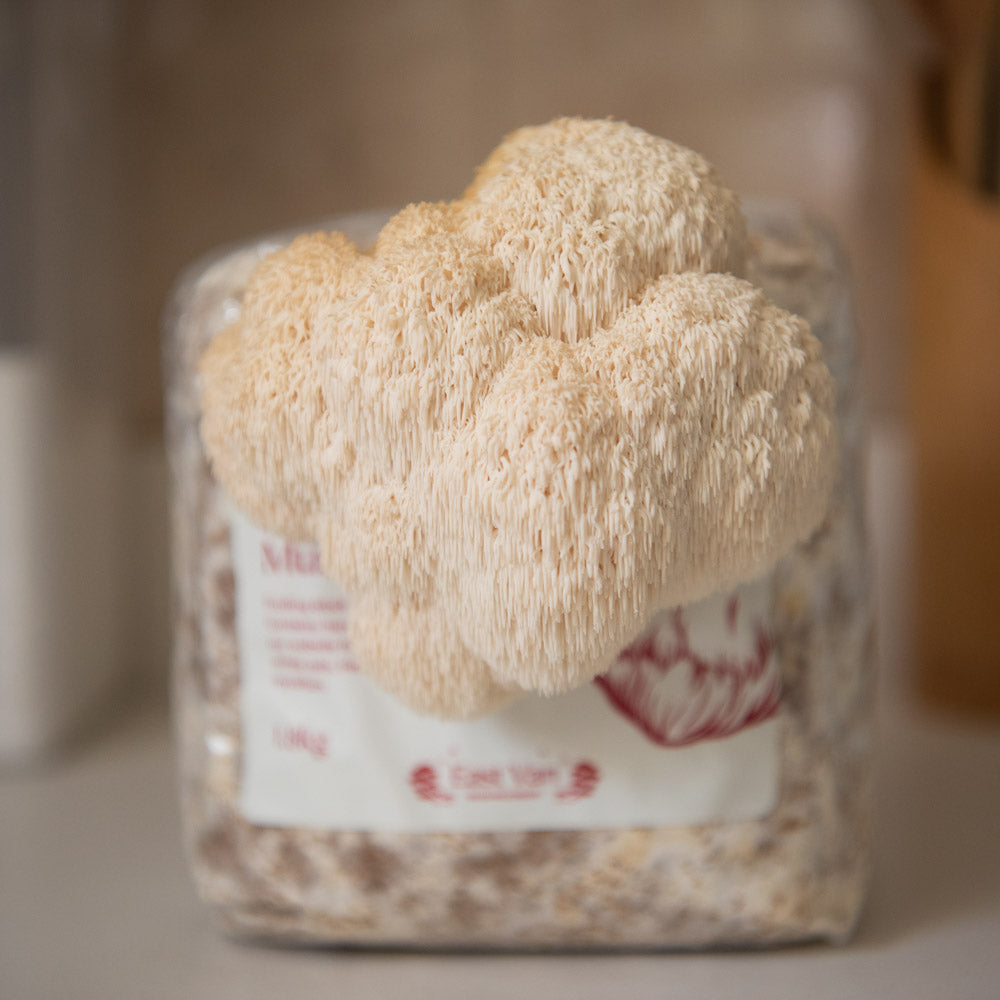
pixel 527 419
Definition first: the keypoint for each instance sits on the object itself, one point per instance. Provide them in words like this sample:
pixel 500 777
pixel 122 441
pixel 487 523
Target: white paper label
pixel 681 730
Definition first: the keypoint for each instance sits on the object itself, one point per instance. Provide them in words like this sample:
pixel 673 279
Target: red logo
pixel 677 696
pixel 425 782
pixel 504 783
pixel 583 781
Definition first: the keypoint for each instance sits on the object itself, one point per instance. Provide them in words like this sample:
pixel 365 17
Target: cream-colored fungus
pixel 527 419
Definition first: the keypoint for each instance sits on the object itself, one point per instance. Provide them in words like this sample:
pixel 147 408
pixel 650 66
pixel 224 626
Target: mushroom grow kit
pixel 520 575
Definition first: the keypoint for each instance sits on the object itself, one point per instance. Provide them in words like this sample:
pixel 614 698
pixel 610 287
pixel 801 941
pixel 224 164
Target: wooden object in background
pixel 956 412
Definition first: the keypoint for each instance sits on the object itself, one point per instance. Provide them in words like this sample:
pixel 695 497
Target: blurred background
pixel 136 135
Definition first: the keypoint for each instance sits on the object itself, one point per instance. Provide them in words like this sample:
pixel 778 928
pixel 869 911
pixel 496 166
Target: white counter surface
pixel 96 902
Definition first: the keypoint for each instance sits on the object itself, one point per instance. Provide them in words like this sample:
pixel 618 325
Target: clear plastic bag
pixel 525 840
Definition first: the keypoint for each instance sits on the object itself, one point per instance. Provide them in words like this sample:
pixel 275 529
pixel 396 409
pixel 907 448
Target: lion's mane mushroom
pixel 526 419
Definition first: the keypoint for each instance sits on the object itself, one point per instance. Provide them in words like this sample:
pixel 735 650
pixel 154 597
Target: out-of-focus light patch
pixel 840 134
pixel 219 745
pixel 230 310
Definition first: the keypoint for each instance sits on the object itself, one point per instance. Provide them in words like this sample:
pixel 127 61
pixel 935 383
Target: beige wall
pixel 238 118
